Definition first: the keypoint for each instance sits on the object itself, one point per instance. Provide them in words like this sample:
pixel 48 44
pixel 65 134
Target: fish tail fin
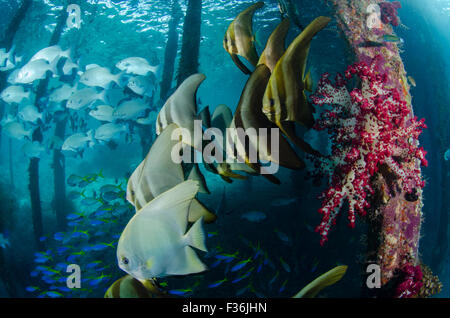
pixel 329 278
pixel 195 237
pixel 308 82
pixel 91 141
pixel 53 66
pixel 121 79
pixel 102 96
pixel 205 116
pixel 11 52
pixel 159 71
pixel 67 53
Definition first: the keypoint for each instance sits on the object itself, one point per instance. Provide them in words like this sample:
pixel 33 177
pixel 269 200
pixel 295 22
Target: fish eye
pixel 124 260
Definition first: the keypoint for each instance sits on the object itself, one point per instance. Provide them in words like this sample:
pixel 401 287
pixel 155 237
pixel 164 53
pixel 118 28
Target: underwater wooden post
pixel 439 252
pixel 33 168
pixel 59 179
pixel 395 221
pixel 170 53
pixel 190 49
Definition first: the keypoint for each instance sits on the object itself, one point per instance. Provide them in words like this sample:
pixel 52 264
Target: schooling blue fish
pixel 59 236
pixel 285 265
pixel 282 236
pixel 211 234
pixel 31 289
pixel 93 264
pixel 101 246
pixel 90 201
pixel 216 263
pixel 98 280
pixel 52 294
pixel 227 257
pixel 243 290
pixel 96 222
pixel 247 274
pixel 217 284
pixel 274 279
pixel 180 292
pixel 62 249
pixel 73 216
pixel 260 266
pixel 283 286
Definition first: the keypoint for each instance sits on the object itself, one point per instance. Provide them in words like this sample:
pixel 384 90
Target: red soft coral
pixel 369 126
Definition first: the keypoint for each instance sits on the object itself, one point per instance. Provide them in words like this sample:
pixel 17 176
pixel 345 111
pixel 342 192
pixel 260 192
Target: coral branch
pixel 369 126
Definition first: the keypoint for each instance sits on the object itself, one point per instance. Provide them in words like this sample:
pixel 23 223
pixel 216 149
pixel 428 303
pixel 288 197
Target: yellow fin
pixel 274 49
pixel 284 98
pixel 308 82
pixel 329 278
pixel 239 39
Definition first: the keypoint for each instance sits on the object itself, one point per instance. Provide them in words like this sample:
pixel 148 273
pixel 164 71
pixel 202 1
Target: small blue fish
pixel 61 266
pixel 314 266
pixel 31 289
pixel 52 294
pixel 59 236
pixel 96 222
pixel 447 155
pixel 282 236
pixel 78 234
pixel 285 265
pixel 217 284
pixel 73 223
pixel 73 216
pixel 260 266
pixel 283 286
pixel 110 196
pixel 101 246
pixel 93 264
pixel 254 216
pixel 62 249
pixel 180 292
pixel 241 264
pixel 96 281
pixel 274 278
pixel 216 263
pixel 226 257
pixel 243 290
pixel 247 274
pixel 90 201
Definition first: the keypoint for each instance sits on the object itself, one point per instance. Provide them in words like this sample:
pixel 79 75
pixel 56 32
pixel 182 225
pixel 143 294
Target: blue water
pixel 114 30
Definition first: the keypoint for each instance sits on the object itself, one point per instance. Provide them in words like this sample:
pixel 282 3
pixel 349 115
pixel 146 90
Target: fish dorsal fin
pixel 329 278
pixel 284 98
pixel 249 115
pixel 205 117
pixel 221 118
pixel 181 109
pixel 308 82
pixel 197 175
pixel 157 173
pixel 275 49
pixel 91 66
pixel 173 204
pixel 239 39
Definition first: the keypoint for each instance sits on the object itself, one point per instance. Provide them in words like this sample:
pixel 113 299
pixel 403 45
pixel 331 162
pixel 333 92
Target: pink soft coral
pixel 369 126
